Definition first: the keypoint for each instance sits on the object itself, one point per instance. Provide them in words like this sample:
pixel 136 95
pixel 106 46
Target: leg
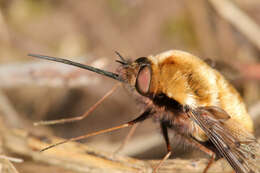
pixel 90 110
pixel 212 158
pixel 127 138
pixel 205 150
pixel 141 118
pixel 167 141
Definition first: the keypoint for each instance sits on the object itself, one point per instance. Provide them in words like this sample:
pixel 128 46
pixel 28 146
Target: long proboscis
pixel 90 68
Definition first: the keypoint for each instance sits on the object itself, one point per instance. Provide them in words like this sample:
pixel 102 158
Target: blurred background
pixel 224 31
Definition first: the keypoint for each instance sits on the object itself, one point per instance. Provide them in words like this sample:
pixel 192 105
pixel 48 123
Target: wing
pixel 234 143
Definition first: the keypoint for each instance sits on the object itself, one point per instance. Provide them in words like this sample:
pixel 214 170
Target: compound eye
pixel 143 80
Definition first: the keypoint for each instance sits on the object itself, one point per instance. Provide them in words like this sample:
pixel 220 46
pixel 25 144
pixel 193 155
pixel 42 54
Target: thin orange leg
pixel 90 110
pixel 205 150
pixel 141 118
pixel 212 159
pixel 127 138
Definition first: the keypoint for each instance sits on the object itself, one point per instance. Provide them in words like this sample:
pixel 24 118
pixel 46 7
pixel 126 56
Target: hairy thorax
pixel 183 79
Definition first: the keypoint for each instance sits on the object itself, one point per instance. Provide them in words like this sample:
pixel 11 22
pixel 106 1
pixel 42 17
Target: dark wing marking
pixel 239 147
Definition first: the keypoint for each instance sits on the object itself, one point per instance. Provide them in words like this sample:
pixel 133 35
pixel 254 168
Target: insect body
pixel 186 95
pixel 181 79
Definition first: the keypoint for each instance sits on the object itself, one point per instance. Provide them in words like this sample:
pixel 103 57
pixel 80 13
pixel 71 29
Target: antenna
pixel 122 60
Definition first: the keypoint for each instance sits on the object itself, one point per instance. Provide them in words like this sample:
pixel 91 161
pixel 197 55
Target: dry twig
pixel 81 158
pixel 46 74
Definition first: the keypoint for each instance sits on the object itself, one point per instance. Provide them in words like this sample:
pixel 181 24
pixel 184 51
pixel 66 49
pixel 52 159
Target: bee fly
pixel 188 96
